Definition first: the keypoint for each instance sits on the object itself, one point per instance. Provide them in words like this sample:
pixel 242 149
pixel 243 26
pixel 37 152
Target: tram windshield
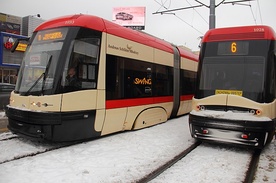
pixel 60 60
pixel 245 74
pixel 40 62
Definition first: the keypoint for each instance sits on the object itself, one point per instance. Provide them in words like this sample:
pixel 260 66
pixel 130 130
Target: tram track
pixel 37 148
pixel 249 170
pixel 252 166
pixel 248 159
pixel 32 148
pixel 7 136
pixel 170 163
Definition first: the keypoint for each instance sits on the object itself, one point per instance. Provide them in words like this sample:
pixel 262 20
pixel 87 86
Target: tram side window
pixel 188 81
pixel 112 82
pixel 128 78
pixel 163 80
pixel 138 79
pixel 84 63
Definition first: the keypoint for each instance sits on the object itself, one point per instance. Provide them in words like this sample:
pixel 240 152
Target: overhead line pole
pixel 212 7
pixel 212 16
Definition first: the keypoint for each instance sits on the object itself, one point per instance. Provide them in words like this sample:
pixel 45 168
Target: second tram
pixel 84 77
pixel 235 93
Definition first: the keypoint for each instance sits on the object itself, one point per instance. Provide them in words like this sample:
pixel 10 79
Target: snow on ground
pixel 209 164
pixel 23 147
pixel 128 156
pixel 2 114
pixel 123 157
pixel 266 171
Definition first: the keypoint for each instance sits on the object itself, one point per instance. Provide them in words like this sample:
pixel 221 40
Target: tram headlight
pixel 200 107
pixel 38 104
pixel 11 100
pixel 258 112
pixel 255 111
pixel 252 111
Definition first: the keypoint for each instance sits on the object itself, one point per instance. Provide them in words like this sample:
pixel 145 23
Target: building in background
pixel 11 29
pixel 10 62
pixel 29 23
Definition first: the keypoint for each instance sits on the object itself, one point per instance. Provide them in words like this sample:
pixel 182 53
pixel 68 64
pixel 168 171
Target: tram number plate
pixel 229 92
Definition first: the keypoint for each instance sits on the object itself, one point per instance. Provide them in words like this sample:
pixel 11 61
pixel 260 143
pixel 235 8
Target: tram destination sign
pixel 51 35
pixel 233 48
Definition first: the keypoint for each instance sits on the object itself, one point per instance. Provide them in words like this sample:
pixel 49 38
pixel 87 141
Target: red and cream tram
pixel 84 77
pixel 236 87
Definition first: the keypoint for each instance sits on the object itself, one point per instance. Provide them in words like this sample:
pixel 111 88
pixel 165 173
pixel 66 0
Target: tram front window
pixel 38 68
pixel 60 60
pixel 40 62
pixel 244 74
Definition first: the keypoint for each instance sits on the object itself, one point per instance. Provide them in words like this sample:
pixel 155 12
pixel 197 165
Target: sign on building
pixel 10 23
pixel 6 57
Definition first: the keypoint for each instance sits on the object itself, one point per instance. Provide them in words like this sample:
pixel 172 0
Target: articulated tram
pixel 84 77
pixel 235 93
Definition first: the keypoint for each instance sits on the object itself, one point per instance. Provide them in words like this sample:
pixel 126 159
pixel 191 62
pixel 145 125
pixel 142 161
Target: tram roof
pixel 100 24
pixel 255 32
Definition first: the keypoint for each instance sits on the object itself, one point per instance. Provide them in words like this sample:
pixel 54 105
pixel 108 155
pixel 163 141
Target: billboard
pixel 10 23
pixel 132 17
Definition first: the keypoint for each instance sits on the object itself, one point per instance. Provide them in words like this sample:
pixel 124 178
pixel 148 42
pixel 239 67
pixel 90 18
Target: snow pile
pixel 229 115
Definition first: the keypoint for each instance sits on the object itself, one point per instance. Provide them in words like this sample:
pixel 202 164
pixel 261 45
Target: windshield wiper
pixel 38 79
pixel 44 74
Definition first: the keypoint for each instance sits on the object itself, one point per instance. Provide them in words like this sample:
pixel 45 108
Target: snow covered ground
pixel 2 114
pixel 128 156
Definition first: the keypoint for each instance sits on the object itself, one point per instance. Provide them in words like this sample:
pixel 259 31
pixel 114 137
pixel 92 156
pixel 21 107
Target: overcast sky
pixel 182 28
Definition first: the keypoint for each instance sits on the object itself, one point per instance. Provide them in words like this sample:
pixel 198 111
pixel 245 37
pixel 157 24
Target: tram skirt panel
pixel 150 117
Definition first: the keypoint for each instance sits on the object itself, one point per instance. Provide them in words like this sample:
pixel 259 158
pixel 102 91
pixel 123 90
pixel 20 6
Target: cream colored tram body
pixel 124 80
pixel 235 101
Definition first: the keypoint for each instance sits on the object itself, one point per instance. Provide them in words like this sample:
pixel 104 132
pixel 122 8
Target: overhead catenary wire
pixel 238 3
pixel 212 8
pixel 198 13
pixel 253 14
pixel 260 12
pixel 162 5
pixel 200 4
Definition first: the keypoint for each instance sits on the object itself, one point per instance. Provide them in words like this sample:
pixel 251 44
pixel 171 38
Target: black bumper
pixel 246 133
pixel 53 126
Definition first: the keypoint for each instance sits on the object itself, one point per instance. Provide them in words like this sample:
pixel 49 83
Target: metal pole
pixel 212 16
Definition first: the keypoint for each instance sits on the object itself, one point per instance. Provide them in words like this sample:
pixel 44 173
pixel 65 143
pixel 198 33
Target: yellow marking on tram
pixel 229 92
